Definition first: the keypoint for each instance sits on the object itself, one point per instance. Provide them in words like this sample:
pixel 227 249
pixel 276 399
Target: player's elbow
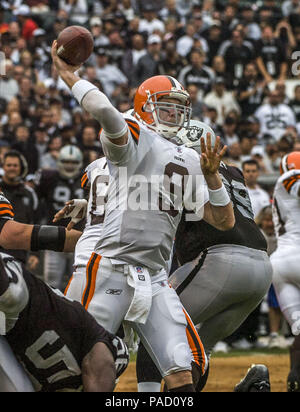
pixel 98 369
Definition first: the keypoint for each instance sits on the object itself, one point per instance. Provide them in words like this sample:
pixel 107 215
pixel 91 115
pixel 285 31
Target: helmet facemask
pixel 168 118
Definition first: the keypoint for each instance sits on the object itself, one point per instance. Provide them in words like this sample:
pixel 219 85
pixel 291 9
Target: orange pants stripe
pixel 195 343
pixel 91 275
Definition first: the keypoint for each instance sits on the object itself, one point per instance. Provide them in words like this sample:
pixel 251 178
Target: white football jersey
pixel 97 176
pixel 275 119
pixel 286 209
pixel 151 180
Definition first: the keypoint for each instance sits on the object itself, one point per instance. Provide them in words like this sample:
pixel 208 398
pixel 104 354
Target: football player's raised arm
pixel 218 211
pixel 93 101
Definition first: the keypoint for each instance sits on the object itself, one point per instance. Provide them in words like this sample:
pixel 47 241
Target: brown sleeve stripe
pixel 289 182
pixel 84 180
pixel 134 129
pixel 7 205
pixel 8 212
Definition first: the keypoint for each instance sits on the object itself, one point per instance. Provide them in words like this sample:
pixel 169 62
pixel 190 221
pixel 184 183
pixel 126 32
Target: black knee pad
pixel 146 370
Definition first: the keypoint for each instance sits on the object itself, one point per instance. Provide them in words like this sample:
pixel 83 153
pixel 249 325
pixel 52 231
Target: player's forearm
pixel 69 78
pixel 213 180
pixel 219 211
pixel 98 105
pixel 15 235
pixel 72 237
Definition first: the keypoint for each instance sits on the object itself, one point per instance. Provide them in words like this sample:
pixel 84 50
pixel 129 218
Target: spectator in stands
pixel 270 56
pixel 77 10
pixel 96 27
pixel 150 22
pixel 171 62
pixel 49 158
pixel 14 119
pixel 112 79
pixel 258 196
pixel 147 65
pixel 213 36
pixel 197 104
pixel 185 43
pixel 247 18
pixel 237 52
pixel 219 69
pixel 229 20
pixel 295 105
pixel 251 90
pixel 89 142
pixel 131 57
pixel 8 84
pixel 223 100
pixel 40 143
pixel 274 117
pixel 24 144
pixel 230 131
pixel 197 72
pixel 28 25
pixel 169 10
pixel 281 88
pixel 290 6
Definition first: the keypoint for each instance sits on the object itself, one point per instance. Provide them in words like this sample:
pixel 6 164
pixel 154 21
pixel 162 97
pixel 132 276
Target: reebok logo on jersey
pixel 179 158
pixel 113 292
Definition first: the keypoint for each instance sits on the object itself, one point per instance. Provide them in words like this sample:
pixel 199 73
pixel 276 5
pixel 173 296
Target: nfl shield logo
pixel 139 269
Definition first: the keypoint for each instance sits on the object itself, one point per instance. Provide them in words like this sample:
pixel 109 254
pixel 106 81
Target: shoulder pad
pixel 6 209
pixel 134 128
pixel 289 178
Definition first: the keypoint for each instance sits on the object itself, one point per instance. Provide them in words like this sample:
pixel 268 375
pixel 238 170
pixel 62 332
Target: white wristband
pixel 81 88
pixel 219 197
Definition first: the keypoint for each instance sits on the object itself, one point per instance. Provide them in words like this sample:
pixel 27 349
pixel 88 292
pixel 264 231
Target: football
pixel 75 45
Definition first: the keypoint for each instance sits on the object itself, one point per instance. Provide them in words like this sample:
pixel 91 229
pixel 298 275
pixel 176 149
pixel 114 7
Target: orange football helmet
pixel 290 161
pixel 161 116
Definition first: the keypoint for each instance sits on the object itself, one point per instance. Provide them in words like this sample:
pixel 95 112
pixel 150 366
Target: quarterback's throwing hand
pixel 59 63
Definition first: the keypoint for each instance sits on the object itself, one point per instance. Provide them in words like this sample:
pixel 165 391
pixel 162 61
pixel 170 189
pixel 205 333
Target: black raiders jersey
pixel 55 190
pixel 52 336
pixel 194 237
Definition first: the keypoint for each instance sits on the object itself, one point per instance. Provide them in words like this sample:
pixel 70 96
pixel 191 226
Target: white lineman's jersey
pixel 144 210
pixel 286 209
pixel 97 176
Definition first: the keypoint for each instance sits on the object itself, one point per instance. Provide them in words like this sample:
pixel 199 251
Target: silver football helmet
pixel 190 136
pixel 70 161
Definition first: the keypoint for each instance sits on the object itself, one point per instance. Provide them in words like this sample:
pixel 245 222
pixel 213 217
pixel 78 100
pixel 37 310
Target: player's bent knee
pixel 180 359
